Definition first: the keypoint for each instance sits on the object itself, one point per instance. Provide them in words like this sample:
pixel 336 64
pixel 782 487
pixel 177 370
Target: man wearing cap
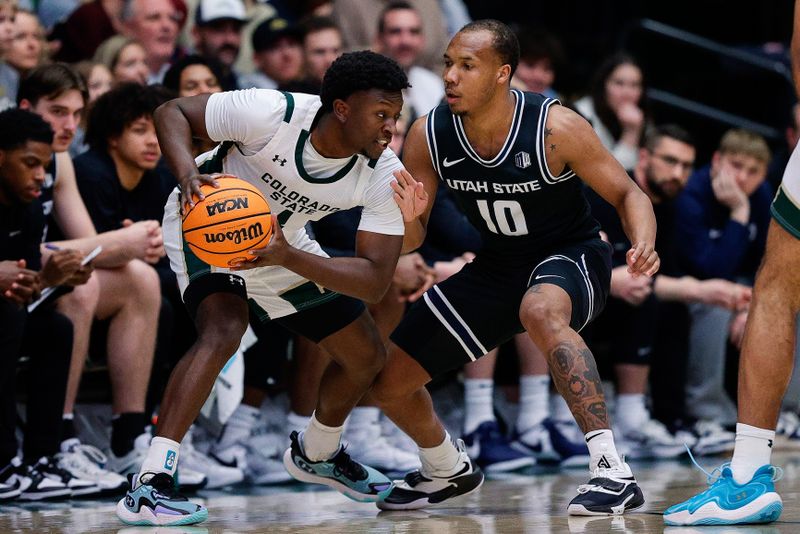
pixel 277 53
pixel 217 35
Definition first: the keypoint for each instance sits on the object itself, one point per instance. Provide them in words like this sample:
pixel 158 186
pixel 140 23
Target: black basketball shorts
pixel 477 309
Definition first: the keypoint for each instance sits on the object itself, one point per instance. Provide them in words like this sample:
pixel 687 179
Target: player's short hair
pixel 172 78
pixel 18 126
pixel 117 109
pixel 51 81
pixel 654 135
pixel 504 42
pixel 741 141
pixel 360 71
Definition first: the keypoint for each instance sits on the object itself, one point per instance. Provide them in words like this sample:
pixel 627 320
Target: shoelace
pixel 614 473
pixel 344 465
pixel 716 473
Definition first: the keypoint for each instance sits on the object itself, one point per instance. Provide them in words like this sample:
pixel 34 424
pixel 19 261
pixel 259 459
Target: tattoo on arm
pixel 548 132
pixel 576 378
pixel 552 147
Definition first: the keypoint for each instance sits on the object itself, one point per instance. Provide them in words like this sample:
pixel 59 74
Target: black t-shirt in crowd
pixel 21 229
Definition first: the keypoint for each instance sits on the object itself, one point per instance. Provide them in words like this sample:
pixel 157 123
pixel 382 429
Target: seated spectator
pixel 540 56
pixel 24 153
pixel 98 80
pixel 9 78
pixel 123 290
pixel 27 48
pixel 721 224
pixel 217 35
pixel 322 44
pixel 155 24
pixel 615 107
pixel 277 53
pixel 125 58
pixel 85 29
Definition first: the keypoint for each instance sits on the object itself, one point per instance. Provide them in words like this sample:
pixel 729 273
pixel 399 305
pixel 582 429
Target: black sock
pixel 125 428
pixel 68 429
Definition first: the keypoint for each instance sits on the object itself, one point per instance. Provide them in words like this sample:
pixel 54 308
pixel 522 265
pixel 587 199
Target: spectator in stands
pixel 322 44
pixel 217 35
pixel 400 36
pixel 615 107
pixel 278 55
pixel 358 21
pixel 629 324
pixel 721 224
pixel 540 56
pixel 125 58
pixel 98 79
pixel 44 335
pixel 27 48
pixel 155 24
pixel 86 28
pixel 9 78
pixel 123 289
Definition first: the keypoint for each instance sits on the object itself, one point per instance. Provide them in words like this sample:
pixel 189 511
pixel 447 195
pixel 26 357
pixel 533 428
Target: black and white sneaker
pixel 11 485
pixel 420 488
pixel 33 484
pixel 78 487
pixel 612 490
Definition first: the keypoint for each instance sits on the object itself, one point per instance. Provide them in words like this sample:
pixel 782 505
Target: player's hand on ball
pixel 409 194
pixel 273 254
pixel 642 258
pixel 190 188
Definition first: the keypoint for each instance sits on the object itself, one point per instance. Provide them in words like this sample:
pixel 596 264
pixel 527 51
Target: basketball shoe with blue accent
pixel 340 472
pixel 727 503
pixel 492 450
pixel 155 502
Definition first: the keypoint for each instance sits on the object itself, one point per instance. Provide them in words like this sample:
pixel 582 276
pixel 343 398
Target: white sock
pixel 753 449
pixel 533 398
pixel 560 409
pixel 443 457
pixel 631 411
pixel 363 416
pixel 479 403
pixel 162 457
pixel 239 426
pixel 295 421
pixel 602 451
pixel 320 442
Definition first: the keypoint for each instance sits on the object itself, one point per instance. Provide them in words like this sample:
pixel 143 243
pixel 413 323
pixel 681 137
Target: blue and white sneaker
pixel 568 442
pixel 156 502
pixel 536 442
pixel 340 472
pixel 727 503
pixel 493 452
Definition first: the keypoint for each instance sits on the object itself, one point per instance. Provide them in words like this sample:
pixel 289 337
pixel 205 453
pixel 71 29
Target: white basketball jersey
pixel 265 141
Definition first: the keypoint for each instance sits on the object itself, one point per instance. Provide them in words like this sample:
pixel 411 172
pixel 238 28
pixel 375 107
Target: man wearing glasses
pixel 634 312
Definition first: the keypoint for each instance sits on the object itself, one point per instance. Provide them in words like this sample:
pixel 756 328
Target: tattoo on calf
pixel 576 378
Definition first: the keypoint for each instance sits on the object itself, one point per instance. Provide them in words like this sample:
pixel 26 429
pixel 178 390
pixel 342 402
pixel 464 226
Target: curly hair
pixel 360 71
pixel 18 126
pixel 118 108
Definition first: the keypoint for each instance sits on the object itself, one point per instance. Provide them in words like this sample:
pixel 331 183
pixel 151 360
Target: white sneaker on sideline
pixel 648 440
pixel 712 438
pixel 131 462
pixel 368 446
pixel 85 462
pixel 260 457
pixel 192 459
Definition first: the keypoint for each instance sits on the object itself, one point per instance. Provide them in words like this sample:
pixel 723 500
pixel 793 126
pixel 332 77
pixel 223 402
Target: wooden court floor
pixel 531 502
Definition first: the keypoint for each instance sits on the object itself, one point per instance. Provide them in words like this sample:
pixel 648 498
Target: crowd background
pixel 695 100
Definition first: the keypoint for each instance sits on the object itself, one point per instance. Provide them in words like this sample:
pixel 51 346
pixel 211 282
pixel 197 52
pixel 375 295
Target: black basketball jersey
pixel 521 209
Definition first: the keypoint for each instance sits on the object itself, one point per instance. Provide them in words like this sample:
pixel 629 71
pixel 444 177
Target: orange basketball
pixel 228 222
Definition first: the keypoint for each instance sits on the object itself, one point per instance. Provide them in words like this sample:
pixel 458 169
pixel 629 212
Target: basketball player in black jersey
pixel 512 160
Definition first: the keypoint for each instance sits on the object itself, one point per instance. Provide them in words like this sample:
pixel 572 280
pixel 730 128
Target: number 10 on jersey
pixel 503 217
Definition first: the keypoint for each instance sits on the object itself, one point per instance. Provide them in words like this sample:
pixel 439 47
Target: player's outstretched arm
pixel 572 141
pixel 416 188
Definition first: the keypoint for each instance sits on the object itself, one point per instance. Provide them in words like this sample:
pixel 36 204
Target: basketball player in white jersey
pixel 744 492
pixel 310 156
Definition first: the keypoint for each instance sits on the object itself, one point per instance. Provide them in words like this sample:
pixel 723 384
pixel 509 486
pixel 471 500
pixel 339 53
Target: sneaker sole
pixel 424 502
pixel 580 510
pixel 305 476
pixel 765 509
pixel 145 517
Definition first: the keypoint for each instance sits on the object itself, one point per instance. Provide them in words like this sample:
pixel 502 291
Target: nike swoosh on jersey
pixel 538 276
pixel 446 163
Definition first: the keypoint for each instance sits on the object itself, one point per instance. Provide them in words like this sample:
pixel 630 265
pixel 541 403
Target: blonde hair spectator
pixel 125 58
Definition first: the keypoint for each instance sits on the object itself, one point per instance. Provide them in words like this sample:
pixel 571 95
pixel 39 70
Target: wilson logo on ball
pixel 227 223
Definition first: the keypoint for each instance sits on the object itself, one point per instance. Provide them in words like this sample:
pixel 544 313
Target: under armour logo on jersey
pixel 280 160
pixel 769 443
pixel 604 463
pixel 522 160
pixel 235 280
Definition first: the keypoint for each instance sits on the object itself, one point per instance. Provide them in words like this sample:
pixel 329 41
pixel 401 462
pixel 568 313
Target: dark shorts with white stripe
pixel 477 309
